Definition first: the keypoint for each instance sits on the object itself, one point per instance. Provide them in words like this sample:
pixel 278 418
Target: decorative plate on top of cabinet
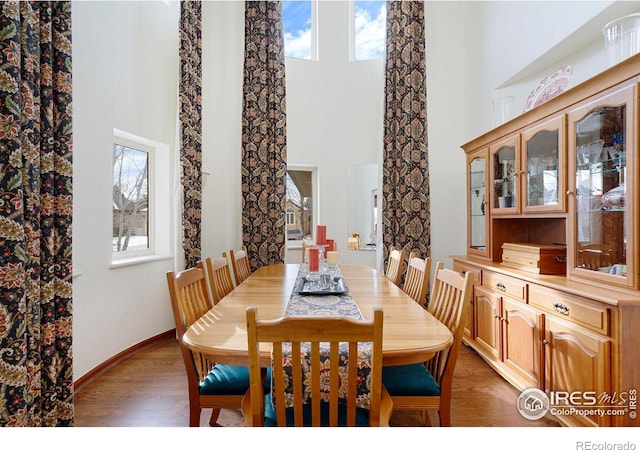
pixel 552 85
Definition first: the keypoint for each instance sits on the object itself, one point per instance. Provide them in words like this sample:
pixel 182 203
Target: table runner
pixel 326 305
pixel 322 305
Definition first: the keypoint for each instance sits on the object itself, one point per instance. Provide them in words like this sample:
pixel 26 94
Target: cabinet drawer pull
pixel 562 309
pixel 560 258
pixel 545 342
pixel 501 287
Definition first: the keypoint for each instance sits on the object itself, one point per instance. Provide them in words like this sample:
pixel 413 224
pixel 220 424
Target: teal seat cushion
pixel 271 420
pixel 409 380
pixel 225 379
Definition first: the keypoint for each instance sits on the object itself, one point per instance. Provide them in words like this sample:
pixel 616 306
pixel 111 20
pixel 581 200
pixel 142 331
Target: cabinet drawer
pixel 505 284
pixel 476 273
pixel 581 311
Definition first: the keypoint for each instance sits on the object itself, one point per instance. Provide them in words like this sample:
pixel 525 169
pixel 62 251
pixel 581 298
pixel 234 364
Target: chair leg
pixel 426 419
pixel 445 415
pixel 194 415
pixel 214 417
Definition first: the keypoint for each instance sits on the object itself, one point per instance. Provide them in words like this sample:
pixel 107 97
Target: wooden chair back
pixel 416 281
pixel 594 256
pixel 240 264
pixel 314 330
pixel 395 266
pixel 219 274
pixel 449 302
pixel 190 300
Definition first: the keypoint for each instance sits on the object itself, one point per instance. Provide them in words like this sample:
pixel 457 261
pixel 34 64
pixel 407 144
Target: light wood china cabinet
pixel 564 174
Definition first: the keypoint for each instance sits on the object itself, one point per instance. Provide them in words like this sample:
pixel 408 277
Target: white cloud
pixel 370 33
pixel 370 36
pixel 298 44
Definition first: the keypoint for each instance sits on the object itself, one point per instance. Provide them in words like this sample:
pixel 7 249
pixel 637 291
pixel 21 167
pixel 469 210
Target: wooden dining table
pixel 411 334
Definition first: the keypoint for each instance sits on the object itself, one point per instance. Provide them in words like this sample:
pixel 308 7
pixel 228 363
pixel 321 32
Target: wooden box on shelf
pixel 544 259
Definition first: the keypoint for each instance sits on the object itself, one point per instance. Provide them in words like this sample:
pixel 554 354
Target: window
pixel 291 216
pixel 141 210
pixel 368 30
pixel 131 199
pixel 301 200
pixel 298 22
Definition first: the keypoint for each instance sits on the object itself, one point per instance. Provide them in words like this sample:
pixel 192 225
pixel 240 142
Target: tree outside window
pixel 130 200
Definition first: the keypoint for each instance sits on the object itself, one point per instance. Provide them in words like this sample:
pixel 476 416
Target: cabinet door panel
pixel 477 198
pixel 603 225
pixel 543 174
pixel 487 321
pixel 505 168
pixel 577 362
pixel 521 341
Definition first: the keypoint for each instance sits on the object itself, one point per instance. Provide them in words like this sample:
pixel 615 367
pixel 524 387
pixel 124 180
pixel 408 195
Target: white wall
pixel 125 77
pixel 125 72
pixel 222 66
pixel 334 119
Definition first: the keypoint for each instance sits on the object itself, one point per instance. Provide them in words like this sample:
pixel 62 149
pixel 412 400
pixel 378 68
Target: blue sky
pixel 369 21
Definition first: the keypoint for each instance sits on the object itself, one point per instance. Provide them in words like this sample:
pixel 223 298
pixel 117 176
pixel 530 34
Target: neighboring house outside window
pixel 301 201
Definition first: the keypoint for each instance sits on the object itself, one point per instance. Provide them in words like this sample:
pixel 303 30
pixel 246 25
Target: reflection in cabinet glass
pixel 542 169
pixel 600 190
pixel 477 202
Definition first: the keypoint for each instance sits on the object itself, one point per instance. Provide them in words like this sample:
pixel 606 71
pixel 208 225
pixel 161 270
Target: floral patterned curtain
pixel 405 177
pixel 36 373
pixel 264 143
pixel 190 112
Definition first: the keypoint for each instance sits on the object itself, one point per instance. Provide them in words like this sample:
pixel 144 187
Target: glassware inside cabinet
pixel 504 178
pixel 601 191
pixel 477 204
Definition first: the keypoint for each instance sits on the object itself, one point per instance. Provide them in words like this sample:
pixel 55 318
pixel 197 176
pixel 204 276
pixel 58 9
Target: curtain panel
pixel 190 114
pixel 36 373
pixel 264 145
pixel 405 176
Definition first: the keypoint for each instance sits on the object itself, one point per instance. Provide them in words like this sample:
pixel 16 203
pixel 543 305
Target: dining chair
pixel 239 263
pixel 210 385
pixel 427 386
pixel 219 275
pixel 317 398
pixel 416 281
pixel 395 265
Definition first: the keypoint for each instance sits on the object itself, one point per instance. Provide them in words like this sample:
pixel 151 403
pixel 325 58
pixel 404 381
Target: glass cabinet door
pixel 477 203
pixel 543 182
pixel 602 184
pixel 505 164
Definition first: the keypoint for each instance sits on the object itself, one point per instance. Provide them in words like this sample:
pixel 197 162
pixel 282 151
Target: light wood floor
pixel 150 390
